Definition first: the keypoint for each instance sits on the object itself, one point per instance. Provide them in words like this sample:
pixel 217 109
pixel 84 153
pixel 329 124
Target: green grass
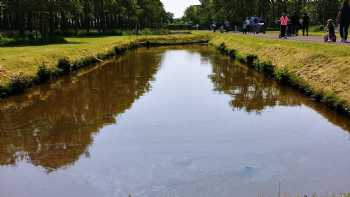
pixel 320 69
pixel 27 63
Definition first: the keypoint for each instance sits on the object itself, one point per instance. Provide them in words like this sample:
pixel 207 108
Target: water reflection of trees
pixel 52 126
pixel 253 92
pixel 249 90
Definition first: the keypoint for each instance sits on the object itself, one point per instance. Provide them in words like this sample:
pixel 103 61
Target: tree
pixel 236 10
pixel 48 18
pixel 192 14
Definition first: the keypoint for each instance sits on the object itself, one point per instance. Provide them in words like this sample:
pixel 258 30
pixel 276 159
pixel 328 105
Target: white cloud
pixel 178 7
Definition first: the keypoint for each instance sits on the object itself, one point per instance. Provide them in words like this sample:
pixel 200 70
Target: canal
pixel 170 121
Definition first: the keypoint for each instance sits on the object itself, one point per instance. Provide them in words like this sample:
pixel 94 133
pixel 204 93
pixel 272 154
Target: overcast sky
pixel 178 6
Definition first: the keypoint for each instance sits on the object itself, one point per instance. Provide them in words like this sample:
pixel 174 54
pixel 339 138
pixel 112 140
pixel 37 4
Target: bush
pixel 148 31
pixel 331 99
pixel 56 39
pixel 106 55
pixel 43 74
pixel 5 40
pixel 64 65
pixel 102 56
pixel 94 33
pixel 18 84
pixel 232 53
pixel 268 68
pixel 251 59
pixel 222 47
pixel 317 28
pixel 85 62
pixel 19 40
pixel 119 50
pixel 4 90
pixel 282 75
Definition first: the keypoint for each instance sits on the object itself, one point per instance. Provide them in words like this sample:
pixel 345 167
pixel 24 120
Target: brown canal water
pixel 179 121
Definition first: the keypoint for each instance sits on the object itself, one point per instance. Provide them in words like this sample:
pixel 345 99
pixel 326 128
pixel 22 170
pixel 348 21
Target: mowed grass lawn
pixel 25 60
pixel 322 66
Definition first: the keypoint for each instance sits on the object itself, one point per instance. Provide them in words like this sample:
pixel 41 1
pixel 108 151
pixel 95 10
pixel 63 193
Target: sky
pixel 178 6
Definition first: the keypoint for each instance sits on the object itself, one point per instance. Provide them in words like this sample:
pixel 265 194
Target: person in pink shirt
pixel 284 24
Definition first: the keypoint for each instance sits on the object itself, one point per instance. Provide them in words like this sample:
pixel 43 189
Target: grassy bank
pixel 319 70
pixel 21 67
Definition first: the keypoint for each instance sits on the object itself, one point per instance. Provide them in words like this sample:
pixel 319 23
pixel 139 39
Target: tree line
pixel 235 11
pixel 52 17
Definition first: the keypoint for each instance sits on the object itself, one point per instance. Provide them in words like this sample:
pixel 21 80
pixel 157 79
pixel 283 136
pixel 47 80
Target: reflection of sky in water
pixel 179 137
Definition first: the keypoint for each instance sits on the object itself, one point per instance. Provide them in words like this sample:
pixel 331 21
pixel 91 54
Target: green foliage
pixel 282 74
pixel 35 17
pixel 251 59
pixel 4 40
pixel 84 62
pixel 264 67
pixel 149 31
pixel 18 40
pixel 18 83
pixel 326 9
pixel 64 65
pixel 193 14
pixel 222 47
pixel 317 28
pixel 102 56
pixel 268 67
pixel 43 74
pixel 330 98
pixel 235 11
pixel 232 53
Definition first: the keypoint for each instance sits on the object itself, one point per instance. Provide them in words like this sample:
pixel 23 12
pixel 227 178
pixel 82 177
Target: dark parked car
pixel 256 25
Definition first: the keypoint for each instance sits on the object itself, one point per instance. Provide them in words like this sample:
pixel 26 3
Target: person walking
pixel 295 24
pixel 306 24
pixel 344 20
pixel 246 25
pixel 284 24
pixel 213 27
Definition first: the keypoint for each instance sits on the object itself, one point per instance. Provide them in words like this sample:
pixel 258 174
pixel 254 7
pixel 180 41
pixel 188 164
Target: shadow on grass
pixel 96 35
pixel 23 41
pixel 37 43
